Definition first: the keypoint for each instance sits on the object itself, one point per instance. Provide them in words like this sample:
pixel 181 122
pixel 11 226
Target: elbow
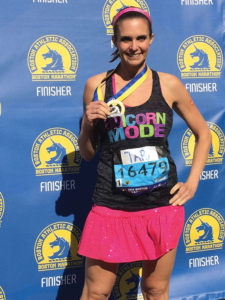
pixel 85 153
pixel 205 137
pixel 209 139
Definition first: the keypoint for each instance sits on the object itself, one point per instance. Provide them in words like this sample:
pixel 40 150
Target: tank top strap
pixel 156 89
pixel 108 87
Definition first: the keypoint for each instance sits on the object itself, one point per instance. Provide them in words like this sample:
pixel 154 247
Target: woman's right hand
pixel 96 110
pixel 93 111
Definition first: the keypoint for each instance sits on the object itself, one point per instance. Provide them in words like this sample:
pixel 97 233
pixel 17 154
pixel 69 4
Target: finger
pixel 101 104
pixel 96 112
pixel 180 202
pixel 179 192
pixel 98 107
pixel 106 111
pixel 174 199
pixel 104 107
pixel 175 188
pixel 181 197
pixel 95 116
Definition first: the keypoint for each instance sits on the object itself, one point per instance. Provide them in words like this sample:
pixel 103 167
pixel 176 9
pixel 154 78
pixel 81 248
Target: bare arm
pixel 93 111
pixel 182 103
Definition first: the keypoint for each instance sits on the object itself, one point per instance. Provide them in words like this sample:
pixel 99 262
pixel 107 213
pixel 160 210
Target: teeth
pixel 134 54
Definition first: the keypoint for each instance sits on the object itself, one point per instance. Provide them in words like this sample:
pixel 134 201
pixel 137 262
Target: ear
pixel 151 39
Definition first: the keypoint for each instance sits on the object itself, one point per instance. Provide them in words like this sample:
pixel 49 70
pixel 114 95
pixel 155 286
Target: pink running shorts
pixel 117 236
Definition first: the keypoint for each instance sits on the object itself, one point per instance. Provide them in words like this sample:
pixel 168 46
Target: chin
pixel 135 62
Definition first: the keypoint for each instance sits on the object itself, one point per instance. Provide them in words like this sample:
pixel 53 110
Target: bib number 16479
pixel 145 169
pixel 142 174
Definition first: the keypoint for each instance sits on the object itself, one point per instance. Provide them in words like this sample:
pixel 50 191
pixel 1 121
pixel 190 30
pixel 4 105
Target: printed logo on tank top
pixel 132 126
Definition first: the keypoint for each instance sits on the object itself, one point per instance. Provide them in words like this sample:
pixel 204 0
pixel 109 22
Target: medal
pixel 116 108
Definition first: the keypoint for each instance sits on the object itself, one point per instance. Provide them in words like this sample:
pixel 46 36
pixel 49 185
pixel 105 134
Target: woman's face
pixel 133 41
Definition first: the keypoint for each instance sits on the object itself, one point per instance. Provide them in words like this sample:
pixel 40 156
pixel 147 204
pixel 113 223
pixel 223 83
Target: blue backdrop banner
pixel 49 48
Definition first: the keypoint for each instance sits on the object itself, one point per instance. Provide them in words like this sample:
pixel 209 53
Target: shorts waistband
pixel 106 211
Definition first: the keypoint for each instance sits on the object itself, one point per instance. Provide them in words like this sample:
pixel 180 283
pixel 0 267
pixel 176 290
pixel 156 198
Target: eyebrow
pixel 123 37
pixel 143 36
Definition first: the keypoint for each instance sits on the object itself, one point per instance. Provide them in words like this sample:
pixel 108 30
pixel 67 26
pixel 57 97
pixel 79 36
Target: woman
pixel 138 210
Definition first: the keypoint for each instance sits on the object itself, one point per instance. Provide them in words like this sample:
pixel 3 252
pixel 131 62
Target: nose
pixel 133 45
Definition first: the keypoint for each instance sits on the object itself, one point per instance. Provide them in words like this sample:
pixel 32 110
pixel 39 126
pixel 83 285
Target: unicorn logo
pixel 114 110
pixel 136 279
pixel 112 7
pixel 207 235
pixel 58 243
pixel 217 148
pixel 56 63
pixel 204 230
pixel 56 151
pixel 52 58
pixel 122 6
pixel 203 60
pixel 64 248
pixel 200 56
pixel 60 153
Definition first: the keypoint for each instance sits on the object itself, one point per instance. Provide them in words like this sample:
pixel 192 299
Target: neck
pixel 127 73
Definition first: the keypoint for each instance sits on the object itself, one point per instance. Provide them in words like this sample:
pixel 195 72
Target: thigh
pixel 100 277
pixel 156 274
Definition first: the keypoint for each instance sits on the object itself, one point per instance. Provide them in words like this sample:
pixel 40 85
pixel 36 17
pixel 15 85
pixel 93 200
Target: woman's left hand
pixel 183 192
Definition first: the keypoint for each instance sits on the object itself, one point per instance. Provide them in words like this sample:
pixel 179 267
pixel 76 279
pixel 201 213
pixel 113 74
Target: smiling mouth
pixel 134 55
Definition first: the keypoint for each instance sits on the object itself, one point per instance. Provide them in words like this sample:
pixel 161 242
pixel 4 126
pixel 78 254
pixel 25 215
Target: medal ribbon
pixel 127 89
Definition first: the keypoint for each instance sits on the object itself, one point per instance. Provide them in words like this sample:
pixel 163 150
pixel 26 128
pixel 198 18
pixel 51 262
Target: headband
pixel 129 9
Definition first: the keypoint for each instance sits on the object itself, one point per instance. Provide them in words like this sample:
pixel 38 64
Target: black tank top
pixel 148 124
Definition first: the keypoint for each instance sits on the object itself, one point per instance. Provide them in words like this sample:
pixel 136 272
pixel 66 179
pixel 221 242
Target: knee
pixel 156 291
pixel 97 293
pixel 98 296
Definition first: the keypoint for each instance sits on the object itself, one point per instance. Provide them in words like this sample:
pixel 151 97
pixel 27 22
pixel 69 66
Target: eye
pixel 142 38
pixel 125 39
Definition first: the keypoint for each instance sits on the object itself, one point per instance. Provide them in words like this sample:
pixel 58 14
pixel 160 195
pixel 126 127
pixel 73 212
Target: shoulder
pixel 172 88
pixel 91 85
pixel 169 80
pixel 94 81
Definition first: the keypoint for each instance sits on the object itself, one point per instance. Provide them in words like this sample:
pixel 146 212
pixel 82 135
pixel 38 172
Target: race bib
pixel 141 170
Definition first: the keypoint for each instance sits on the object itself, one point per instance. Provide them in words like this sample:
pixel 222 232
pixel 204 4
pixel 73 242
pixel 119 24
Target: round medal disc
pixel 116 108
